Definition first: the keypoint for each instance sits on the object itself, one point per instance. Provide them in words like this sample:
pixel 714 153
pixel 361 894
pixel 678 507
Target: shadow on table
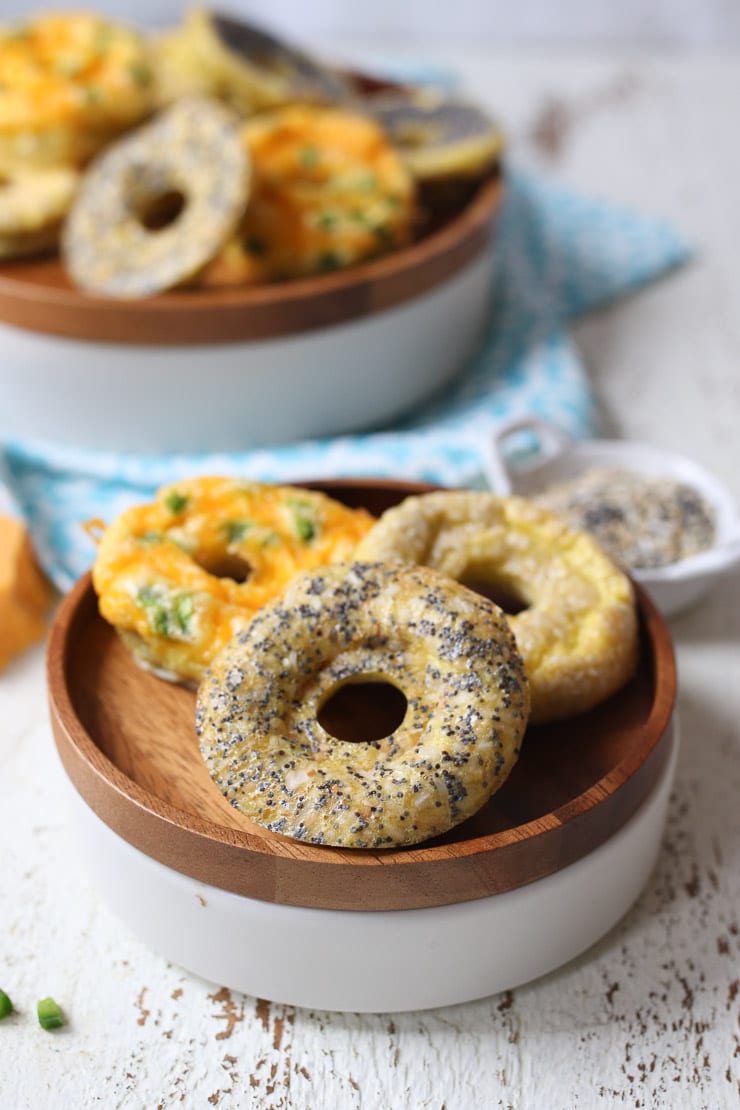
pixel 716 619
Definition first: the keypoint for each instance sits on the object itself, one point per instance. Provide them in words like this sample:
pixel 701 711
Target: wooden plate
pixel 127 741
pixel 37 295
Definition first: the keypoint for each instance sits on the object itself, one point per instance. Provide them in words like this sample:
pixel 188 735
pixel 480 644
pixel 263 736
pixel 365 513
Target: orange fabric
pixel 25 594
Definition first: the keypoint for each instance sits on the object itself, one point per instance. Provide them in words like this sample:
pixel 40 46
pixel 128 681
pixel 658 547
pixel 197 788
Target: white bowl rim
pixel 561 456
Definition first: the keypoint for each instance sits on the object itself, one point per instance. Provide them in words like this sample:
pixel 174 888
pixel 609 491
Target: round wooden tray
pixel 38 296
pixel 128 744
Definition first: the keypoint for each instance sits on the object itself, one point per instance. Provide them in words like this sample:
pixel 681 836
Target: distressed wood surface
pixel 649 1017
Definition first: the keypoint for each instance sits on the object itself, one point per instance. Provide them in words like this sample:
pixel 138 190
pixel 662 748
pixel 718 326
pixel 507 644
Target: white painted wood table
pixel 649 1016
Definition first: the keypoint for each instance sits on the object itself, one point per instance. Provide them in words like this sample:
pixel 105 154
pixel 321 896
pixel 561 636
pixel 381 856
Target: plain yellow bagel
pixel 577 631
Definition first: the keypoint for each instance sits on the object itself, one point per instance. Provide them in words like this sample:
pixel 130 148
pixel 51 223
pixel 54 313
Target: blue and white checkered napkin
pixel 557 255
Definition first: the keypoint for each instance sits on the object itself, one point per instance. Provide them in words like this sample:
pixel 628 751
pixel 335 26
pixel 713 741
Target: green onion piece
pixel 49 1013
pixel 309 156
pixel 328 261
pixel 237 529
pixel 175 501
pixel 167 614
pixel 140 74
pixel 183 609
pixel 327 220
pixel 306 527
pixel 6 1006
pixel 150 537
pixel 159 619
pixel 270 538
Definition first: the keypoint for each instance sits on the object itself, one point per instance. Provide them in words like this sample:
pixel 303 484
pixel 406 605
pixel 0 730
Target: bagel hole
pixel 360 712
pixel 160 210
pixel 222 564
pixel 500 593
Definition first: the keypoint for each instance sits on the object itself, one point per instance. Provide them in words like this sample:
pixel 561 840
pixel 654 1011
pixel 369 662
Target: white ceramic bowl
pixel 441 955
pixel 559 458
pixel 233 369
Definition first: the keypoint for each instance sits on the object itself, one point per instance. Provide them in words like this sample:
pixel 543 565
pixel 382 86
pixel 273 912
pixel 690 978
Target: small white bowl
pixel 558 458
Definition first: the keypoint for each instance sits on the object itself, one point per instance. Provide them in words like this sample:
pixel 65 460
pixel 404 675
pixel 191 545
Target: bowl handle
pixel 551 441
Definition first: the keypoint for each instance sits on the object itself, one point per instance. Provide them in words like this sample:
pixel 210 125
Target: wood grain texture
pixel 38 296
pixel 127 740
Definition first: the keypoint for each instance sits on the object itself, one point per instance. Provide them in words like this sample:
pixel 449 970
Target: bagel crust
pixel 69 84
pixel 439 138
pixel 192 151
pixel 449 651
pixel 33 205
pixel 179 577
pixel 578 632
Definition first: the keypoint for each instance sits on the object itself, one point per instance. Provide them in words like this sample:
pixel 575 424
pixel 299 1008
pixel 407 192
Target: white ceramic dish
pixel 233 369
pixel 341 959
pixel 558 458
pixel 235 396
